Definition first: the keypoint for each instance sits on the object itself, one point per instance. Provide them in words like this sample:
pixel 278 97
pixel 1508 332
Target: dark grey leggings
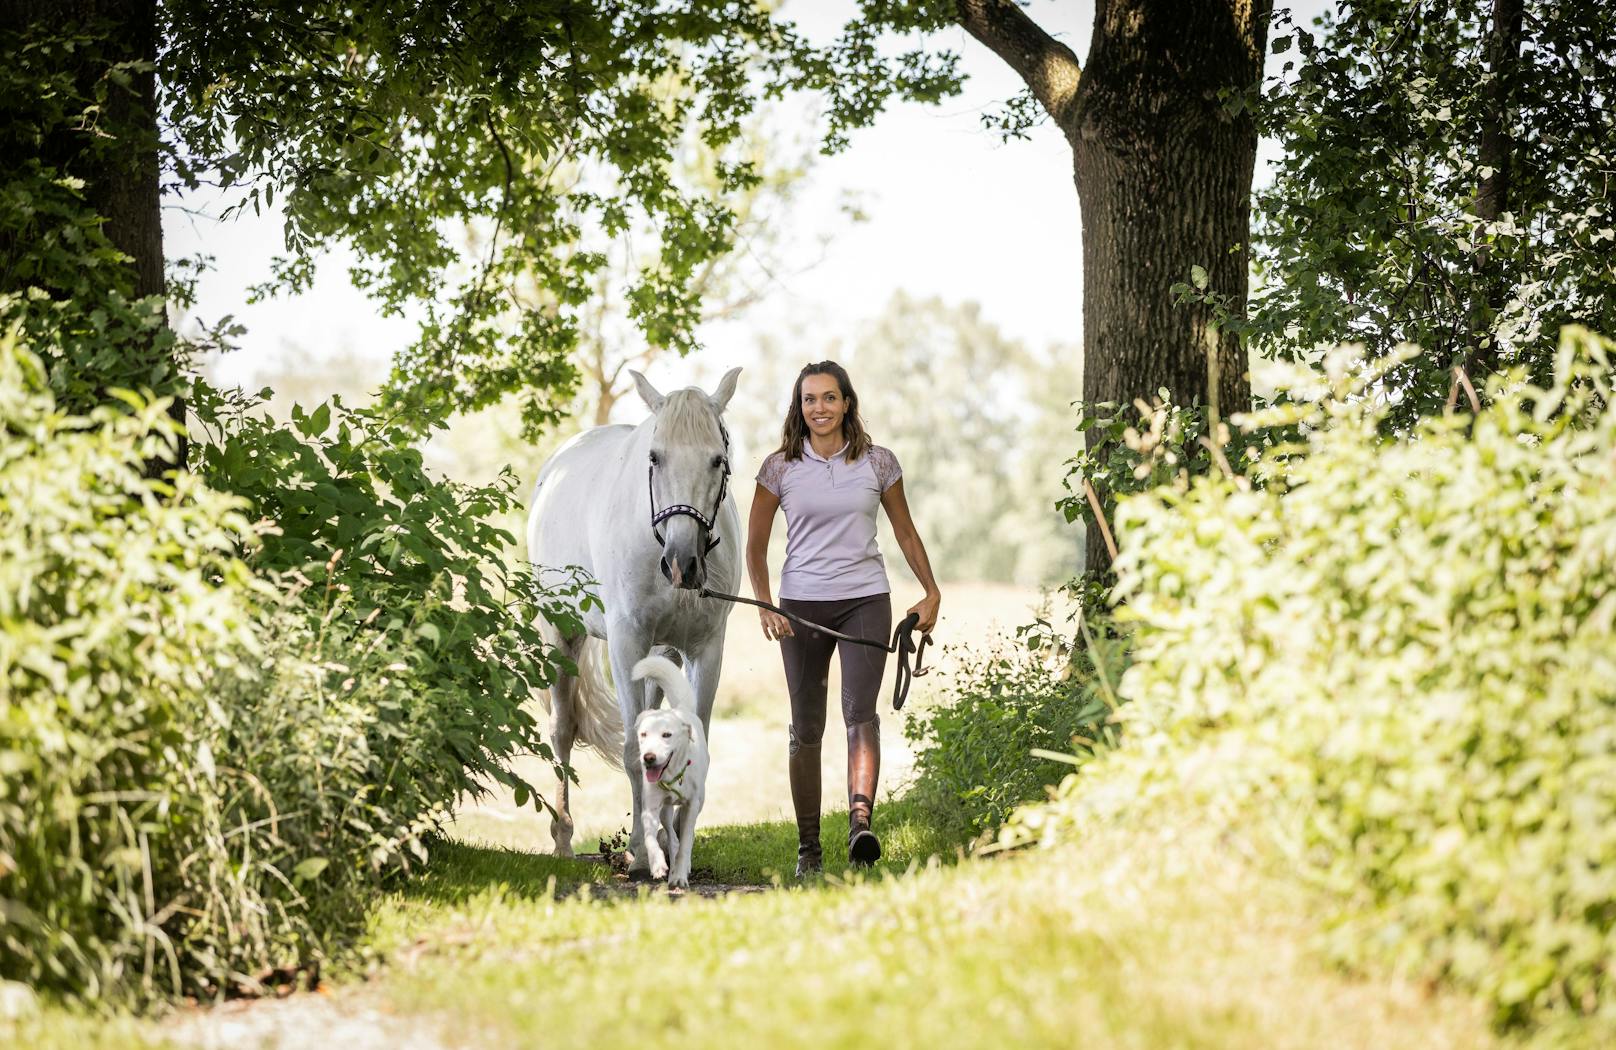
pixel 807 658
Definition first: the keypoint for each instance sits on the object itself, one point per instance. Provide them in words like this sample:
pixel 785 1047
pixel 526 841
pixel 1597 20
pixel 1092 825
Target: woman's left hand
pixel 927 608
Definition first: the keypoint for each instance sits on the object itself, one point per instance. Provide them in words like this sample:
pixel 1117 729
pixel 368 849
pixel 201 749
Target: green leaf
pixel 310 868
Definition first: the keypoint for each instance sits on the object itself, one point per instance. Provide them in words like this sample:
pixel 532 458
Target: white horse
pixel 622 502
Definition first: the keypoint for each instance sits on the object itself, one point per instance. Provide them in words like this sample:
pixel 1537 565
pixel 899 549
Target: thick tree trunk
pixel 122 183
pixel 1163 175
pixel 1163 171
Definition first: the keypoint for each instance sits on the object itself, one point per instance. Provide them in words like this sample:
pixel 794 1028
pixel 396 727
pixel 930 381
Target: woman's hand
pixel 775 626
pixel 927 608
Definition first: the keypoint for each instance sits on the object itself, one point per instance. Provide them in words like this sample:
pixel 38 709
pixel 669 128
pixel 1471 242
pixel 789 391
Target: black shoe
pixel 863 848
pixel 809 864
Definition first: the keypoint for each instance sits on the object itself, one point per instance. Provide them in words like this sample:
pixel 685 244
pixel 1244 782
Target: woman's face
pixel 823 406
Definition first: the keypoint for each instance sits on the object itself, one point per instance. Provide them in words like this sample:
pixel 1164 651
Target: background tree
pixel 385 126
pixel 1446 182
pixel 983 419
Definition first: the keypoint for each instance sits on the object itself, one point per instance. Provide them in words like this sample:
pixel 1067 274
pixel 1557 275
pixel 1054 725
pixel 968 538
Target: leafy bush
pixel 206 771
pixel 400 563
pixel 1398 658
pixel 990 745
pixel 121 602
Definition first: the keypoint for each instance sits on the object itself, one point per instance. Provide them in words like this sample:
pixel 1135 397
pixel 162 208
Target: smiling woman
pixel 829 478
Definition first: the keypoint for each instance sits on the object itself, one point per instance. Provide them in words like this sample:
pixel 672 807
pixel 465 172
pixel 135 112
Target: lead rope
pixel 902 642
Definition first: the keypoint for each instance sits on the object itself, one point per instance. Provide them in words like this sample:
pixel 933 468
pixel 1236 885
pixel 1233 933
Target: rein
pixel 902 643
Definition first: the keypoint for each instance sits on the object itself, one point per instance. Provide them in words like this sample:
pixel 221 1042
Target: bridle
pixel 707 522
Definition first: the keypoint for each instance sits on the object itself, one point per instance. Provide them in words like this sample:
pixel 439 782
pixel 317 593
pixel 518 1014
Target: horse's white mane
pixel 687 417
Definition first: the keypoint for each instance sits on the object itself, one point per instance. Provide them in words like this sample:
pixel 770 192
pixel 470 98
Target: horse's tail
pixel 597 722
pixel 675 686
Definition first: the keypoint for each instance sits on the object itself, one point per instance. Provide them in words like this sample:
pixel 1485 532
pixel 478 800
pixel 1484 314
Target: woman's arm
pixel 914 552
pixel 758 526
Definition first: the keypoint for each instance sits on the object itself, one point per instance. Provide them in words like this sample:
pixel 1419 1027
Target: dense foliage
pixel 217 735
pixel 1395 657
pixel 387 127
pixel 1444 181
pixel 409 565
pixel 1009 724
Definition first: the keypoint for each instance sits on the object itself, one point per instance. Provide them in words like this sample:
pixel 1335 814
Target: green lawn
pixel 1127 945
pixel 1168 939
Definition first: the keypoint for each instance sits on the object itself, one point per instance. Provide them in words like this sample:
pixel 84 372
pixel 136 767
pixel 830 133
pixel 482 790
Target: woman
pixel 829 478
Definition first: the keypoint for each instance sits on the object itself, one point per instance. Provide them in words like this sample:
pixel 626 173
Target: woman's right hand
pixel 775 626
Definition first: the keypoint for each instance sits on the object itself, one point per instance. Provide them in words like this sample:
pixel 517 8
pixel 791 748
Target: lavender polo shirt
pixel 830 509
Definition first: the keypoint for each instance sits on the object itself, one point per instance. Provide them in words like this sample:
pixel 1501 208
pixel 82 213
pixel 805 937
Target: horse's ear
pixel 726 389
pixel 653 400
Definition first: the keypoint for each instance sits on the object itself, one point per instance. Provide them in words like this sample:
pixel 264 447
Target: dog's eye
pixel 667 736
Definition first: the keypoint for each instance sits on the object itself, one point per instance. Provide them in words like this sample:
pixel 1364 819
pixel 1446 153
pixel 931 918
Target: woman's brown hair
pixel 795 430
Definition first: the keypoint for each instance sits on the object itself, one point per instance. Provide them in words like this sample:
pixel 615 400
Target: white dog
pixel 673 760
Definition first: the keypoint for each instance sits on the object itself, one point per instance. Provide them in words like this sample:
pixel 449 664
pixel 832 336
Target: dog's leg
pixel 651 825
pixel 675 846
pixel 687 839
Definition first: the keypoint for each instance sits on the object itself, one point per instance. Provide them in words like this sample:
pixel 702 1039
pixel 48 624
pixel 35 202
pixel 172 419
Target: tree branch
pixel 1049 67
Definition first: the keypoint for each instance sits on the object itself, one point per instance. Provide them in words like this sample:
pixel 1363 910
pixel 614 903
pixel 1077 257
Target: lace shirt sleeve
pixel 772 473
pixel 887 470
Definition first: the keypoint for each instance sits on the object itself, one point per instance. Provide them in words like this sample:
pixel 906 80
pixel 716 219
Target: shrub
pixel 207 770
pixel 1398 659
pixel 400 563
pixel 991 744
pixel 121 602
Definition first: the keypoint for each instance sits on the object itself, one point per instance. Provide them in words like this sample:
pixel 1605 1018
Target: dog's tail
pixel 598 720
pixel 675 686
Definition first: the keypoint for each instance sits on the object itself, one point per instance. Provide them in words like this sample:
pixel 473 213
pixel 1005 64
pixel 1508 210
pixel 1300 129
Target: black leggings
pixel 807 658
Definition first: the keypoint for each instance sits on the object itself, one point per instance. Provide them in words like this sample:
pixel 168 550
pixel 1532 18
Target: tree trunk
pixel 1163 175
pixel 1163 157
pixel 122 183
pixel 1492 196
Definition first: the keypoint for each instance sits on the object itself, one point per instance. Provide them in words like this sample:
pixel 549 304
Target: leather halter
pixel 708 523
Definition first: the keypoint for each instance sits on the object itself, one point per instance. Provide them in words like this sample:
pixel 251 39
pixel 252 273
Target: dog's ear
pixel 726 390
pixel 649 394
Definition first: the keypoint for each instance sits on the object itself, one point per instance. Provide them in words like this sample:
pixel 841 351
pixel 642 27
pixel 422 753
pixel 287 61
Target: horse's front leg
pixel 626 647
pixel 703 670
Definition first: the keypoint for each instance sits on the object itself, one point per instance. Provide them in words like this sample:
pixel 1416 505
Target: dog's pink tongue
pixel 653 775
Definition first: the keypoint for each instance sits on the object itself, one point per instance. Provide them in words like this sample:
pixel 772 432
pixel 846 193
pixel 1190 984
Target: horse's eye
pixel 718 461
pixel 655 459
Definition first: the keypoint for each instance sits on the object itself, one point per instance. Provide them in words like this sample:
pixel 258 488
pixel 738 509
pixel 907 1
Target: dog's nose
pixel 648 758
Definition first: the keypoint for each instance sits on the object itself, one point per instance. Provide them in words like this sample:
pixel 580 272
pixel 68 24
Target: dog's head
pixel 664 737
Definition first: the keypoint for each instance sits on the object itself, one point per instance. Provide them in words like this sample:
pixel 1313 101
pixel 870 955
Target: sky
pixel 951 210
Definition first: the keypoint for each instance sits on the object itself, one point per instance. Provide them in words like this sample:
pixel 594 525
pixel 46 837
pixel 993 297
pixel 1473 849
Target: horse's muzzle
pixel 685 573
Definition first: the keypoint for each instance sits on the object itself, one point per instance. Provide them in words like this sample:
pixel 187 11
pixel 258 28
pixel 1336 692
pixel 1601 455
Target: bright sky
pixel 952 212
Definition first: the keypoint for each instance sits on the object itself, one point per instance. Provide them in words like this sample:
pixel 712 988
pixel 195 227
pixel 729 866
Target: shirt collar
pixel 808 450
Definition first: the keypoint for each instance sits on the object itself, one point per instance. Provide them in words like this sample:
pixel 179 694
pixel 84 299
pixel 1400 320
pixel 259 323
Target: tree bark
pixel 123 182
pixel 1163 171
pixel 1492 195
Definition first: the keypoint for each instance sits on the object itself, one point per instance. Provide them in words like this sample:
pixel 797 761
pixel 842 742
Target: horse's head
pixel 689 475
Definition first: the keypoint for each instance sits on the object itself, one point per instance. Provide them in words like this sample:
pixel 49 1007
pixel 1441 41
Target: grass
pixel 1161 939
pixel 1131 942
